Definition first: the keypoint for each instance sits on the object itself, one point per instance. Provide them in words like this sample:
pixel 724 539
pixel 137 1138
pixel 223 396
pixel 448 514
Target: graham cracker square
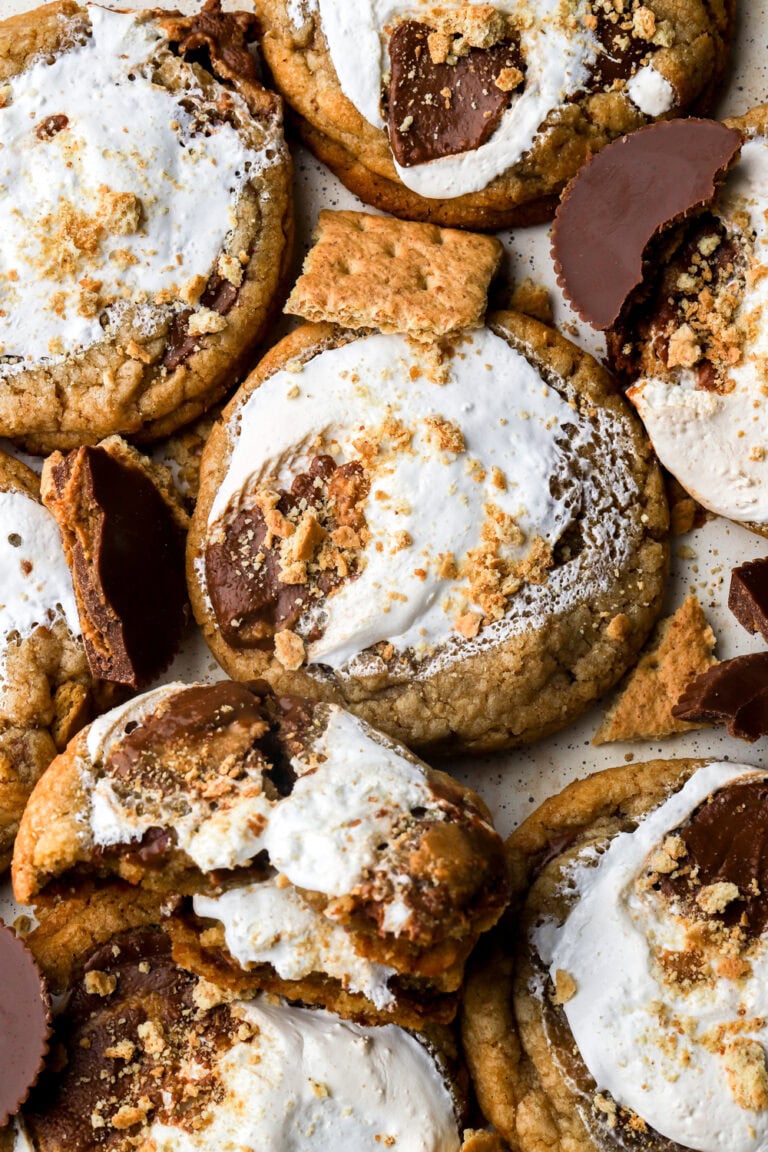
pixel 375 272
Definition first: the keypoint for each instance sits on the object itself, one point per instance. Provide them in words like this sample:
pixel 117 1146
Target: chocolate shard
pixel 748 596
pixel 25 1023
pixel 441 109
pixel 623 197
pixel 733 693
pixel 124 542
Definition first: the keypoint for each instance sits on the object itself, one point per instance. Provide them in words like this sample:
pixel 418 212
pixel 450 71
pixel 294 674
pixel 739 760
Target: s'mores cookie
pixel 46 689
pixel 453 527
pixel 144 214
pixel 315 857
pixel 476 114
pixel 628 1007
pixel 150 1056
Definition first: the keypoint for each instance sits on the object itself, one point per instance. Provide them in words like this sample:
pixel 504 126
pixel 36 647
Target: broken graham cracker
pixel 416 279
pixel 681 649
pixel 123 529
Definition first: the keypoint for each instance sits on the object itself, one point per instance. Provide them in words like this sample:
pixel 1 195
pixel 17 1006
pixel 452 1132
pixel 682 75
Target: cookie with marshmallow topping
pixel 139 255
pixel 455 529
pixel 476 114
pixel 316 857
pixel 627 1008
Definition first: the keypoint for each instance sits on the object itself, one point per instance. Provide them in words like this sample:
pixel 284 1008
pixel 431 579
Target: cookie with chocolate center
pixel 151 1056
pixel 477 114
pixel 625 1006
pixel 140 260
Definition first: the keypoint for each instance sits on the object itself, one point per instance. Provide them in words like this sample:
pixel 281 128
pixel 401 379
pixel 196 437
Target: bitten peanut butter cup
pixel 24 1023
pixel 623 198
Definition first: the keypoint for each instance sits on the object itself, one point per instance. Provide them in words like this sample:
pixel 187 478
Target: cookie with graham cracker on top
pixel 428 516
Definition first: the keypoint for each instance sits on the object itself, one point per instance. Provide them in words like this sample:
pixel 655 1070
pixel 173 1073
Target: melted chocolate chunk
pixel 748 595
pixel 727 842
pixel 24 1023
pixel 622 53
pixel 224 36
pixel 126 552
pixel 442 109
pixel 250 601
pixel 123 1033
pixel 621 200
pixel 733 693
pixel 219 296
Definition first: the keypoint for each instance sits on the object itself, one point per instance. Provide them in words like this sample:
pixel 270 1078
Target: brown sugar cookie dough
pixel 133 295
pixel 463 542
pixel 46 691
pixel 477 114
pixel 295 849
pixel 623 1005
pixel 151 1056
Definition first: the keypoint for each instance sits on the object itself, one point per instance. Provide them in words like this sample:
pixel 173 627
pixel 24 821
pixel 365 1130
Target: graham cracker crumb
pixel 565 987
pixel 532 299
pixel 468 624
pixel 715 898
pixel 681 648
pixel 289 649
pixel 99 983
pixel 509 79
pixel 746 1074
pixel 619 628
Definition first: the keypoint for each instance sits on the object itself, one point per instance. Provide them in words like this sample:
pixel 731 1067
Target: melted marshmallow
pixel 615 1013
pixel 717 445
pixel 35 584
pixel 223 837
pixel 52 190
pixel 267 924
pixel 310 1082
pixel 555 43
pixel 510 420
pixel 651 92
pixel 351 791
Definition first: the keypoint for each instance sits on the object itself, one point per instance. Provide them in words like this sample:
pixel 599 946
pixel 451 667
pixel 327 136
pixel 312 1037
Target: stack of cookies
pixel 412 520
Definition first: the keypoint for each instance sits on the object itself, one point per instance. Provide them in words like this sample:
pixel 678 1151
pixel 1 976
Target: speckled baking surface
pixel 513 784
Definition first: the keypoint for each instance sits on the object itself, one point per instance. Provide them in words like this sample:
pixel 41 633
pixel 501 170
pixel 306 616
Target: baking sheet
pixel 513 784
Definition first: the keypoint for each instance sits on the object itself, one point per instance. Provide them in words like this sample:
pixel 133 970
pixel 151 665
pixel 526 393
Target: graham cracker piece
pixel 681 648
pixel 374 272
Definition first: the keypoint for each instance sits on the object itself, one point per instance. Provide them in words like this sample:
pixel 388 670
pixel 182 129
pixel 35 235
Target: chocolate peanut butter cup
pixel 623 198
pixel 24 1023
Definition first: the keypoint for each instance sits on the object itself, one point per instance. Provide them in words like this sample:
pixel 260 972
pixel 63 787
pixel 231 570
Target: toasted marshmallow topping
pixel 34 577
pixel 465 477
pixel 555 43
pixel 687 1055
pixel 270 924
pixel 309 1082
pixel 101 209
pixel 716 443
pixel 353 794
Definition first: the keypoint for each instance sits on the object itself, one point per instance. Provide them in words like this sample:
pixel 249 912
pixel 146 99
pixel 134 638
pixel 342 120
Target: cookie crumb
pixel 746 1074
pixel 565 987
pixel 715 898
pixel 99 983
pixel 289 649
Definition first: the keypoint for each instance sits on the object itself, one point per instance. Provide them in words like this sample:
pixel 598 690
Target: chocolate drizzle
pixel 441 109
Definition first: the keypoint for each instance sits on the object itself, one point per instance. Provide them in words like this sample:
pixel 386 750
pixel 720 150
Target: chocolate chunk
pixel 24 1023
pixel 250 601
pixel 223 35
pixel 126 552
pixel 622 52
pixel 219 296
pixel 733 693
pixel 748 595
pixel 443 109
pixel 51 126
pixel 623 197
pixel 727 842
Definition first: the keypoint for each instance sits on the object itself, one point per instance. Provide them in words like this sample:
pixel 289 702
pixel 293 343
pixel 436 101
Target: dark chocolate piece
pixel 24 1023
pixel 126 553
pixel 733 693
pixel 623 197
pixel 443 109
pixel 748 596
pixel 727 842
pixel 224 36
